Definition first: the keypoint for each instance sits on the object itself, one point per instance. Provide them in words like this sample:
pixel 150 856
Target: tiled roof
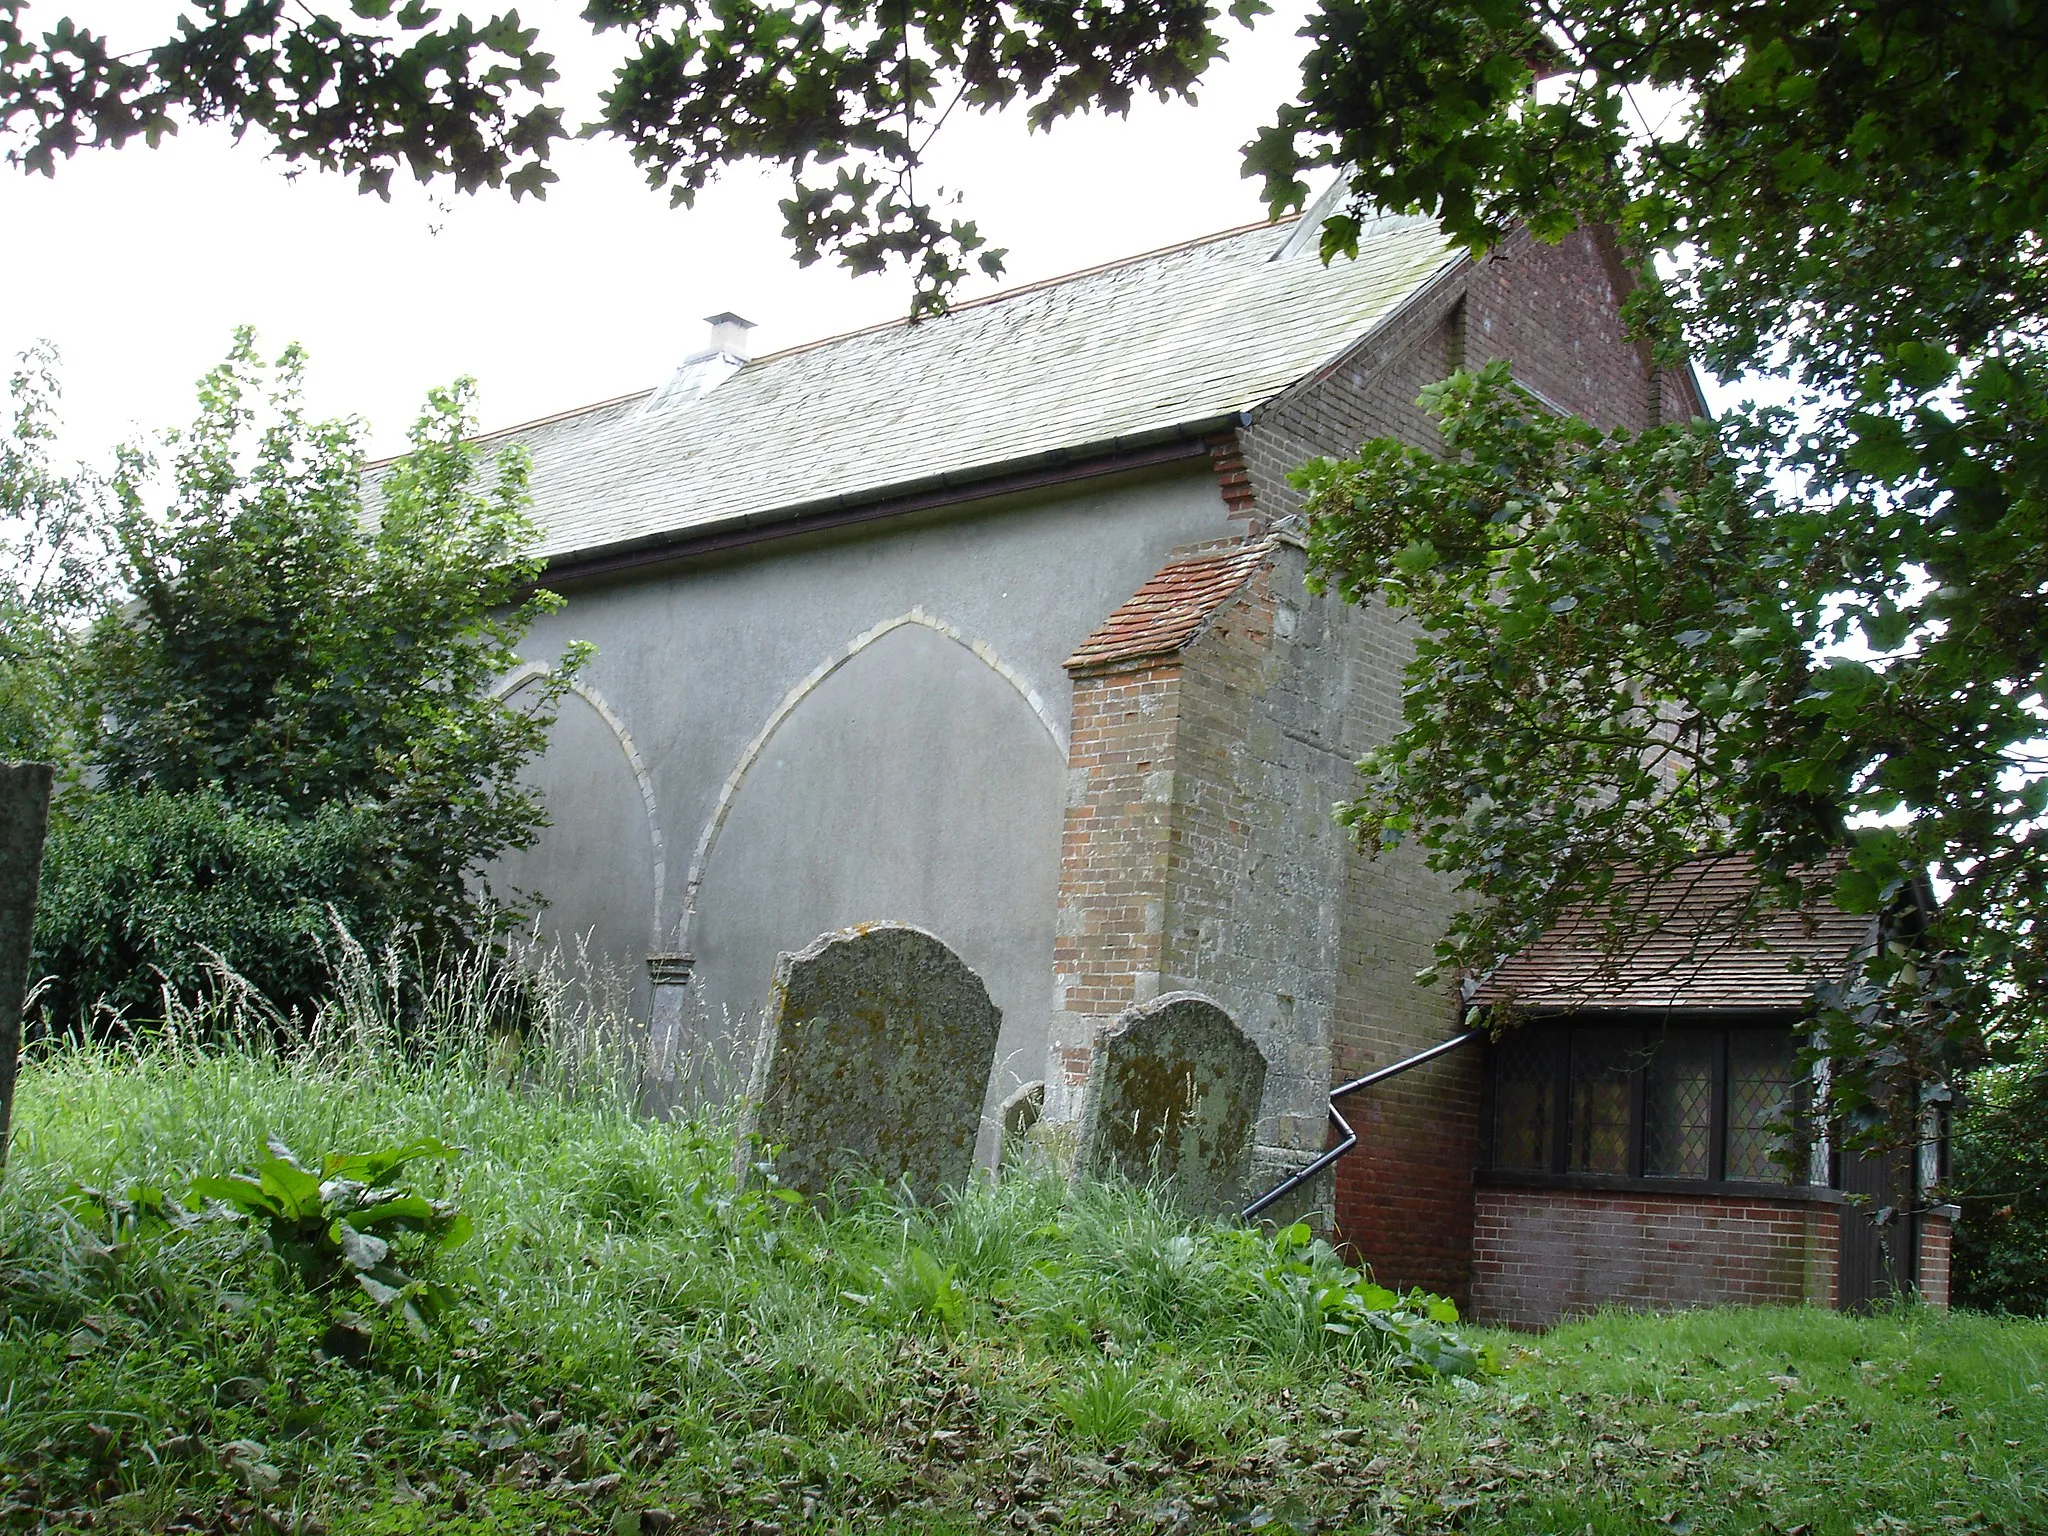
pixel 1707 946
pixel 1116 357
pixel 1171 608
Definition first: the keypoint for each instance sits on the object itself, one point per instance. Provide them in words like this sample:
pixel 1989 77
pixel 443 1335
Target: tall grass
pixel 633 1334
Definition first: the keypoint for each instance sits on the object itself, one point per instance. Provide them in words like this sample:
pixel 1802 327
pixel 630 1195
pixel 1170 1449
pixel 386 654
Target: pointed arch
pixel 528 672
pixel 700 858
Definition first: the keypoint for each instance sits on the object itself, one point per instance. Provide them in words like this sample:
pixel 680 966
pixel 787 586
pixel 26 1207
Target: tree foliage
pixel 1825 622
pixel 53 565
pixel 296 707
pixel 2001 1183
pixel 843 94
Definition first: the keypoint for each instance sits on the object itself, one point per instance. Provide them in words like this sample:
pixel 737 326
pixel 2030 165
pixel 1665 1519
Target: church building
pixel 995 624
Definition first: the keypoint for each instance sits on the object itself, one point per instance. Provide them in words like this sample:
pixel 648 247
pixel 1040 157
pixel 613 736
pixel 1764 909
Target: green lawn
pixel 635 1349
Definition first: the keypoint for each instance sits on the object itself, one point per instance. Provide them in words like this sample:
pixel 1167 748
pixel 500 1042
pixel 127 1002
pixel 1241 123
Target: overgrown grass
pixel 638 1348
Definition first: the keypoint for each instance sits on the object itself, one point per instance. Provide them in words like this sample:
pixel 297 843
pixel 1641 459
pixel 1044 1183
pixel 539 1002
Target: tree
pixel 53 566
pixel 297 707
pixel 844 94
pixel 1824 626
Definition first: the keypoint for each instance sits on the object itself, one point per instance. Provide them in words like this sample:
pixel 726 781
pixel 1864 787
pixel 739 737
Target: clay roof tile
pixel 1707 946
pixel 1171 608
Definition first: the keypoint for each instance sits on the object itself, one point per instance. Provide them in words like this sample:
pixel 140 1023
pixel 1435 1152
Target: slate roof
pixel 1113 358
pixel 1172 607
pixel 1700 954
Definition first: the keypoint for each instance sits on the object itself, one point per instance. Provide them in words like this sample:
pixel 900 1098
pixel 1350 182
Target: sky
pixel 139 263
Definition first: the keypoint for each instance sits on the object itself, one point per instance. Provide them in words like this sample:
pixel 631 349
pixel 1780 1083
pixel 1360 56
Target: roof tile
pixel 1707 946
pixel 1172 607
pixel 1122 354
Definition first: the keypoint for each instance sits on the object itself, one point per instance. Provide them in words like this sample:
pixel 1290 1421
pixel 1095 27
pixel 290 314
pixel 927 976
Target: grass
pixel 637 1348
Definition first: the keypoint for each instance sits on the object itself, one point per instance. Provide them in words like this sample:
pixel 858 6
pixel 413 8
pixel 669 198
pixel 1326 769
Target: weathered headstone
pixel 1173 1093
pixel 1019 1113
pixel 874 1062
pixel 24 817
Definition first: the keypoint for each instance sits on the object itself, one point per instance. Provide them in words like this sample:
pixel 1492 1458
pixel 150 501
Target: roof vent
pixel 724 355
pixel 729 334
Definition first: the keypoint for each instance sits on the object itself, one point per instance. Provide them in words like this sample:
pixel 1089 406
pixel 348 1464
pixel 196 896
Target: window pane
pixel 1601 1059
pixel 1762 1073
pixel 1525 1099
pixel 1678 1105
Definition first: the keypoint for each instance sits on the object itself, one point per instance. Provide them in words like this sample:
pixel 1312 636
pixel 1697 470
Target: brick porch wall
pixel 1541 1256
pixel 1937 1242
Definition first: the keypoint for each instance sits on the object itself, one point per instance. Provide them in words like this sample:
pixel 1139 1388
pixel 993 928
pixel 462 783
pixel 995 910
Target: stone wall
pixel 1540 1256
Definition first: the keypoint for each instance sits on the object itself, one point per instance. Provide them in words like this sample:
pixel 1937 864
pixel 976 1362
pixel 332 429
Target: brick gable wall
pixel 1200 851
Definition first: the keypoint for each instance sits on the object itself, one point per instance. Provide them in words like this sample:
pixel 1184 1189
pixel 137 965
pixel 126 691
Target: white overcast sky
pixel 139 263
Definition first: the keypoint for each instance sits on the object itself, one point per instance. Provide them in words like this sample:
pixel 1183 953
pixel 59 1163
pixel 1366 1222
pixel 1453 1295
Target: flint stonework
pixel 24 817
pixel 1173 1093
pixel 874 1062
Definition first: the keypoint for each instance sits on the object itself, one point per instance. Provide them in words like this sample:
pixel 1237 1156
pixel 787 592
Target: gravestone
pixel 1016 1119
pixel 24 817
pixel 874 1062
pixel 1173 1093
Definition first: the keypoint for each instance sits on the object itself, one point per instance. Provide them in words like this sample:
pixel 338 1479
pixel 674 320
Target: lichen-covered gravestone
pixel 874 1062
pixel 1173 1093
pixel 24 816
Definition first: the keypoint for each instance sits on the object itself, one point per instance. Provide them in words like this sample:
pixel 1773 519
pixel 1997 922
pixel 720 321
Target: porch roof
pixel 1707 946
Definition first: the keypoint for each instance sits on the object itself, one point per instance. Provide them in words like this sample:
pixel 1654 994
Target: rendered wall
pixel 844 728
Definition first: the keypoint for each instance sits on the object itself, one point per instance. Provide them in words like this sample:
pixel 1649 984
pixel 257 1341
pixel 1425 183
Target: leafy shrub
pixel 2000 1160
pixel 300 704
pixel 340 1230
pixel 143 891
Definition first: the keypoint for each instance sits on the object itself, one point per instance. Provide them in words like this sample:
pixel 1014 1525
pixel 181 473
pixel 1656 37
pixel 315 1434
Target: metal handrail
pixel 1349 1139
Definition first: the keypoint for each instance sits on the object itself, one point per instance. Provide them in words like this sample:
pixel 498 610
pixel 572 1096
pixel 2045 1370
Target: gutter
pixel 1059 466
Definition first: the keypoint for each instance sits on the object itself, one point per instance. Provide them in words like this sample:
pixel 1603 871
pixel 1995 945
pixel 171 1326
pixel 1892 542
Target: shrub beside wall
pixel 138 888
pixel 2000 1158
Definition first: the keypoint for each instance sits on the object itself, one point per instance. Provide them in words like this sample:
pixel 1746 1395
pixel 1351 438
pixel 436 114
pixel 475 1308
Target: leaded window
pixel 1649 1101
pixel 1761 1082
pixel 1678 1105
pixel 1525 1100
pixel 1603 1074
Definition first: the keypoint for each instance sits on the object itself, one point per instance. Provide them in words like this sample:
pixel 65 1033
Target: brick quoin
pixel 1113 852
pixel 1937 1243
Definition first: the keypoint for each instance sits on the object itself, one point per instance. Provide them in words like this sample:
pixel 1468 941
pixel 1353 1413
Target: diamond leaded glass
pixel 1678 1105
pixel 1601 1091
pixel 1762 1072
pixel 1525 1099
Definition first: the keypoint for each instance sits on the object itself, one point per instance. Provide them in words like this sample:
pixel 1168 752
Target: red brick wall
pixel 1552 311
pixel 1404 1196
pixel 1540 1256
pixel 1937 1237
pixel 1109 937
